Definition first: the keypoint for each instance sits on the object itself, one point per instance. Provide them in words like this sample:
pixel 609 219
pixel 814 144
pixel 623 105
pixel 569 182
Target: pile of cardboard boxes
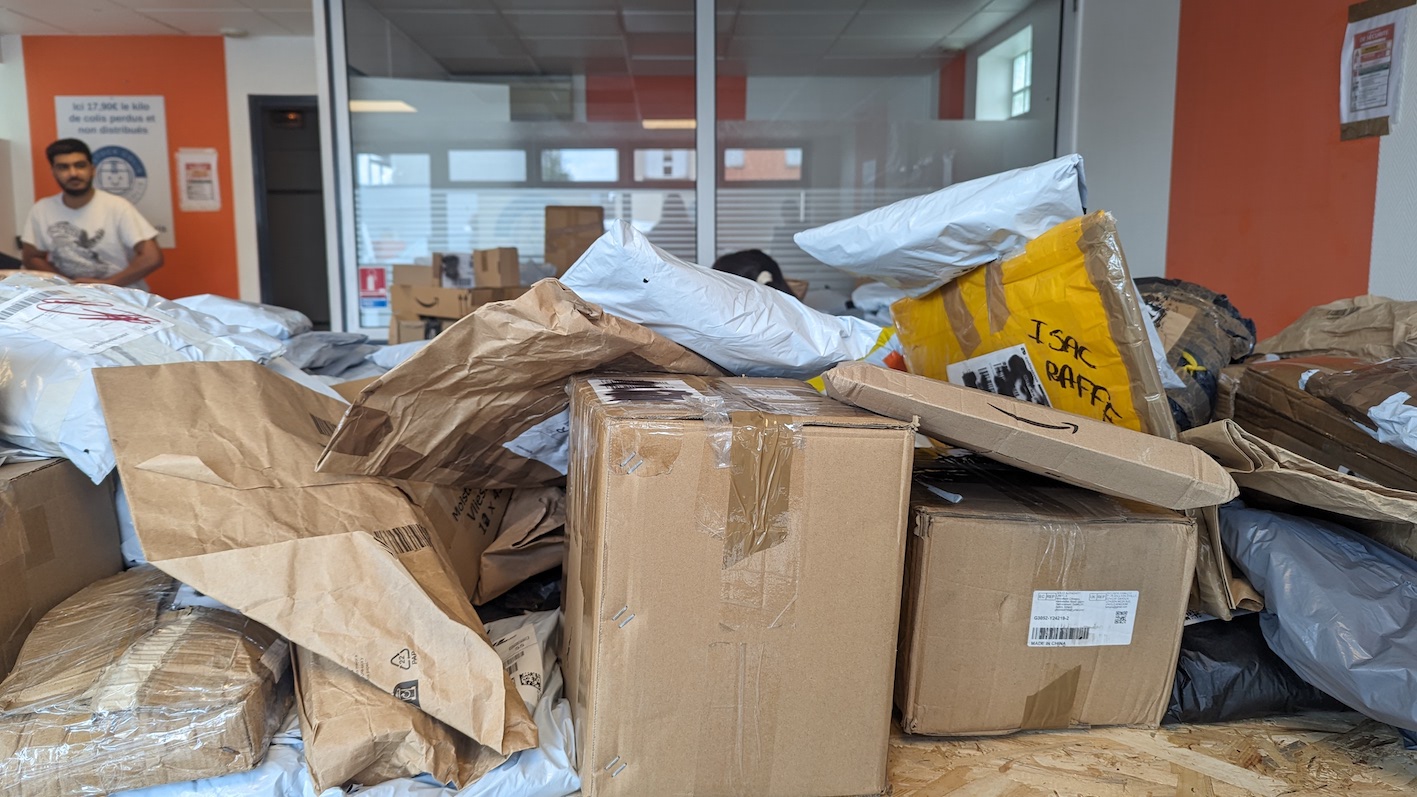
pixel 756 574
pixel 426 299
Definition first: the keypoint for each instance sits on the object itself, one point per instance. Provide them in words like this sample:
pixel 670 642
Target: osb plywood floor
pixel 1334 755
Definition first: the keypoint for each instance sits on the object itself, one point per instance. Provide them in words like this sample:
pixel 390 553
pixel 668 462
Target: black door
pixel 290 205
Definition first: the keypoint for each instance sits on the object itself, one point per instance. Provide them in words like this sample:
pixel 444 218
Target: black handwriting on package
pixel 1068 374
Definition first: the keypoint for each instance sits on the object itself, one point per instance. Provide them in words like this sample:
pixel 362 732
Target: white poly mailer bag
pixel 744 327
pixel 919 244
pixel 52 335
pixel 278 322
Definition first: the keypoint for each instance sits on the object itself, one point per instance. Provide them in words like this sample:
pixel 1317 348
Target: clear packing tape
pixel 114 689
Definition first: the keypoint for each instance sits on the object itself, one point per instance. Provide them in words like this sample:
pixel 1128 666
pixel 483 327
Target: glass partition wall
pixel 466 118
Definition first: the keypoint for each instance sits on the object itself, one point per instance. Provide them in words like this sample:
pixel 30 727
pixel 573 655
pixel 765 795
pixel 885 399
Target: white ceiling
pixel 155 17
pixel 656 37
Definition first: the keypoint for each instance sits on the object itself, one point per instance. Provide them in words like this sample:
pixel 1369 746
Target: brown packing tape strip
pixel 1051 707
pixel 759 488
pixel 997 299
pixel 1372 8
pixel 1102 251
pixel 961 320
pixel 39 545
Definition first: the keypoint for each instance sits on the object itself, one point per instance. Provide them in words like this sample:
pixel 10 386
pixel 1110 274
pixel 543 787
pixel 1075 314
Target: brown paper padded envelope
pixel 217 461
pixel 443 415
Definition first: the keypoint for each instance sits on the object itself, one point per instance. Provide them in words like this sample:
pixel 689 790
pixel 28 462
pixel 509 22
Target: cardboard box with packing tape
pixel 58 534
pixel 733 575
pixel 1031 605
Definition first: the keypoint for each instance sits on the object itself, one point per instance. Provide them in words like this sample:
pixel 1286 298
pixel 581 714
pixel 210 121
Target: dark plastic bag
pixel 1340 608
pixel 1226 672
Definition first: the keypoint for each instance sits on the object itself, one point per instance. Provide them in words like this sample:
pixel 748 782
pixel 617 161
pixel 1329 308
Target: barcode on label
pixel 1060 634
pixel 22 303
pixel 404 539
pixel 323 426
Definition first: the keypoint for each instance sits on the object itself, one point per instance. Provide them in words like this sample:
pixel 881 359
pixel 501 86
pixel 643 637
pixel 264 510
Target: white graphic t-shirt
pixel 95 240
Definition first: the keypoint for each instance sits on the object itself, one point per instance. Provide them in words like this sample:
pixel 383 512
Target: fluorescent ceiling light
pixel 669 124
pixel 381 106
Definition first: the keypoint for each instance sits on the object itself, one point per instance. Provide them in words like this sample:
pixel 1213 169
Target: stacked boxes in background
pixel 570 231
pixel 426 300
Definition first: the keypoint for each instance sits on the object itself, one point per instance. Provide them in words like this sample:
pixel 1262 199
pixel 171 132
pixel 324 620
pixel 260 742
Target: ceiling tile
pixel 111 20
pixel 183 5
pixel 809 6
pixel 658 22
pixel 915 24
pixel 301 23
pixel 980 25
pixel 554 65
pixel 674 45
pixel 562 23
pixel 470 47
pixel 480 24
pixel 488 66
pixel 781 25
pixel 207 23
pixel 963 6
pixel 11 22
pixel 518 6
pixel 269 5
pixel 666 5
pixel 434 5
pixel 771 46
pixel 883 46
pixel 605 47
pixel 1013 6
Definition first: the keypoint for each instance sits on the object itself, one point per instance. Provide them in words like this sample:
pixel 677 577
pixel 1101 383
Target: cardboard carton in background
pixel 496 268
pixel 410 302
pixel 452 270
pixel 58 534
pixel 415 275
pixel 1032 605
pixel 570 230
pixel 751 609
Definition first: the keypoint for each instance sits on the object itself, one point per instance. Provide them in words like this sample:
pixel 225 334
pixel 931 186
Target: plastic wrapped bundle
pixel 52 336
pixel 115 689
pixel 278 322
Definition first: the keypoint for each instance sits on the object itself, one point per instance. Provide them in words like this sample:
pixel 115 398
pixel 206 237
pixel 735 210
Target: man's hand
pixel 147 258
pixel 35 260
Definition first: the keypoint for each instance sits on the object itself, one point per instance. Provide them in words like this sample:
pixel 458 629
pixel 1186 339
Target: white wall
pixel 16 168
pixel 1121 117
pixel 1394 268
pixel 261 65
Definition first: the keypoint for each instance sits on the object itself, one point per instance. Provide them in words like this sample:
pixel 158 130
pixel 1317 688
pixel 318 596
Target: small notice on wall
pixel 128 136
pixel 197 180
pixel 1371 67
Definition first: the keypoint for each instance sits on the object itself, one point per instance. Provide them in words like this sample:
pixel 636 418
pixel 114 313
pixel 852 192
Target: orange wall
pixel 1267 205
pixel 952 77
pixel 190 73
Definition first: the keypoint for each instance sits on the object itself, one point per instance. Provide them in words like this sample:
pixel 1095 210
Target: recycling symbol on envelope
pixel 404 659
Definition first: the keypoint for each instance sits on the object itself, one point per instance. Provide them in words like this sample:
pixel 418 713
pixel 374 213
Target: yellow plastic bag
pixel 1059 324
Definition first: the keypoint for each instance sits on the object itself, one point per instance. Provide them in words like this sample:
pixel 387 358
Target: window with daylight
pixel 1022 83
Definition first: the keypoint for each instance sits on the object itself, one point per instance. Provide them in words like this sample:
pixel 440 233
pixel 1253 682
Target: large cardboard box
pixel 732 587
pixel 58 534
pixel 1271 405
pixel 415 275
pixel 404 330
pixel 570 230
pixel 410 302
pixel 496 268
pixel 1030 604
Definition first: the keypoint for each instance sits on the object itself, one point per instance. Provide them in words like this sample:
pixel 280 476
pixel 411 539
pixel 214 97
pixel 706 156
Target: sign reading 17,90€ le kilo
pixel 128 136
